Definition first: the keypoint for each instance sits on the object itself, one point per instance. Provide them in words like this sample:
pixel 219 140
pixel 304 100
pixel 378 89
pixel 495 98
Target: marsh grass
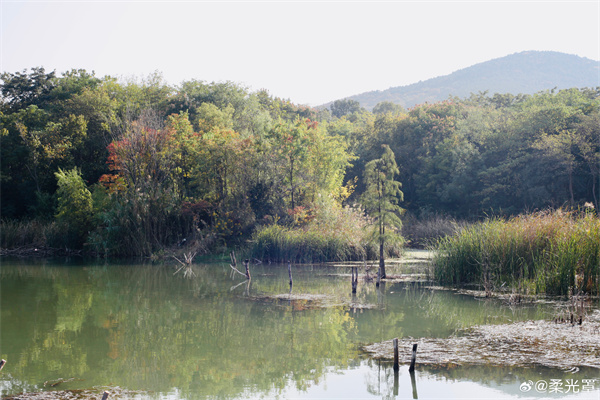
pixel 553 252
pixel 335 234
pixel 31 234
pixel 424 231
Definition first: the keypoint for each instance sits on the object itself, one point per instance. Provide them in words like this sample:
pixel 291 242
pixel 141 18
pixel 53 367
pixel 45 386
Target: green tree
pixel 339 108
pixel 381 201
pixel 387 107
pixel 291 142
pixel 588 134
pixel 23 89
pixel 74 205
pixel 143 193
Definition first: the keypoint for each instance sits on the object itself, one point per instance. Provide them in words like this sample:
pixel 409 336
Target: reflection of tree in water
pixel 140 327
pixel 462 311
pixel 380 380
pixel 71 306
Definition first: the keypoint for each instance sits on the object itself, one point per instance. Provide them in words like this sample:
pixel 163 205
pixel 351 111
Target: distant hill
pixel 527 72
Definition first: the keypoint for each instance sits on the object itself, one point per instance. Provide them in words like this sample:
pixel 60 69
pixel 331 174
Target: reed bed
pixel 423 231
pixel 30 233
pixel 552 252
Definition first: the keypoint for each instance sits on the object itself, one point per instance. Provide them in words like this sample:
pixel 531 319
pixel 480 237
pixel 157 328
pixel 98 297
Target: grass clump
pixel 31 234
pixel 330 233
pixel 553 252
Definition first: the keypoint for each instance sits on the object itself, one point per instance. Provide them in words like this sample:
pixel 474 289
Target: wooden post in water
pixel 354 279
pixel 246 264
pixel 396 363
pixel 105 395
pixel 413 359
pixel 290 273
pixel 2 363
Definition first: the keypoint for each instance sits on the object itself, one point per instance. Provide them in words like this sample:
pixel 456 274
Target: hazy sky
pixel 310 52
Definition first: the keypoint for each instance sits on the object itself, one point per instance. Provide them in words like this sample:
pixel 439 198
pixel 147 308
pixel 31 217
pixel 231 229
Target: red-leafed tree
pixel 145 197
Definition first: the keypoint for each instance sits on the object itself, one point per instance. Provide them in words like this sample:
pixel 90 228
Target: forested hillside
pixel 132 167
pixel 527 72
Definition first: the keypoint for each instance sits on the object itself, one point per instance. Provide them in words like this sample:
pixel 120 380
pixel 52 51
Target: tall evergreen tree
pixel 380 200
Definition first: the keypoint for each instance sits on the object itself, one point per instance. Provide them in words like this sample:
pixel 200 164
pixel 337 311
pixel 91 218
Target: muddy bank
pixel 522 344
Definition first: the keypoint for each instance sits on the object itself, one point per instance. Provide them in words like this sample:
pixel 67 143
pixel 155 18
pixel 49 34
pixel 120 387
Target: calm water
pixel 140 327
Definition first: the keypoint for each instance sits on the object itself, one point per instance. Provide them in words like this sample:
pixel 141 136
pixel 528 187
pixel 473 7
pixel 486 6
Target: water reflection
pixel 470 382
pixel 142 328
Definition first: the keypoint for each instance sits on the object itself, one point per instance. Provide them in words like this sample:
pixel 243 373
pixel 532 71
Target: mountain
pixel 526 72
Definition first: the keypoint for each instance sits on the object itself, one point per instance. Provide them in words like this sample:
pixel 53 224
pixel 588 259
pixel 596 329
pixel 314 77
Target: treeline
pixel 499 154
pixel 131 167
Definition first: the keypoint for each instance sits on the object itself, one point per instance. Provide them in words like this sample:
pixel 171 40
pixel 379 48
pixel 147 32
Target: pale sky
pixel 310 52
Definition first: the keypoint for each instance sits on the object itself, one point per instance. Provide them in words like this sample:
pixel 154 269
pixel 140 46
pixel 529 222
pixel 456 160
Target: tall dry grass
pixel 31 234
pixel 424 231
pixel 335 234
pixel 553 252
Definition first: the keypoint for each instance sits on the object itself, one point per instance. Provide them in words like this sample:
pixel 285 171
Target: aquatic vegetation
pixel 335 234
pixel 553 252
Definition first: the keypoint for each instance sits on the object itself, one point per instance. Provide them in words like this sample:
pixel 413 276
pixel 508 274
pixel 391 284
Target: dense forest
pixel 132 167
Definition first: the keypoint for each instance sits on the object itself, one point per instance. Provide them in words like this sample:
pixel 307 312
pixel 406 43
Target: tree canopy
pixel 168 161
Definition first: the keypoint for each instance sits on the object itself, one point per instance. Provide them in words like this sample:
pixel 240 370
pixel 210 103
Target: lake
pixel 75 324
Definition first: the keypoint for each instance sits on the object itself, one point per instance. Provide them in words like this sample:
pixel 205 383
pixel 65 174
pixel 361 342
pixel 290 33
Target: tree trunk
pixel 571 186
pixel 381 261
pixel 292 181
pixel 381 232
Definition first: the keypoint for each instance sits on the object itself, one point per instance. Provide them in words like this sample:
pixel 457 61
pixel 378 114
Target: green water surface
pixel 214 335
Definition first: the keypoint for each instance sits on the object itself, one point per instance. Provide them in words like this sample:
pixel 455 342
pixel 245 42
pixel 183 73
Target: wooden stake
pixel 396 364
pixel 414 358
pixel 354 279
pixel 246 264
pixel 233 265
pixel 105 395
pixel 2 362
pixel 290 273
